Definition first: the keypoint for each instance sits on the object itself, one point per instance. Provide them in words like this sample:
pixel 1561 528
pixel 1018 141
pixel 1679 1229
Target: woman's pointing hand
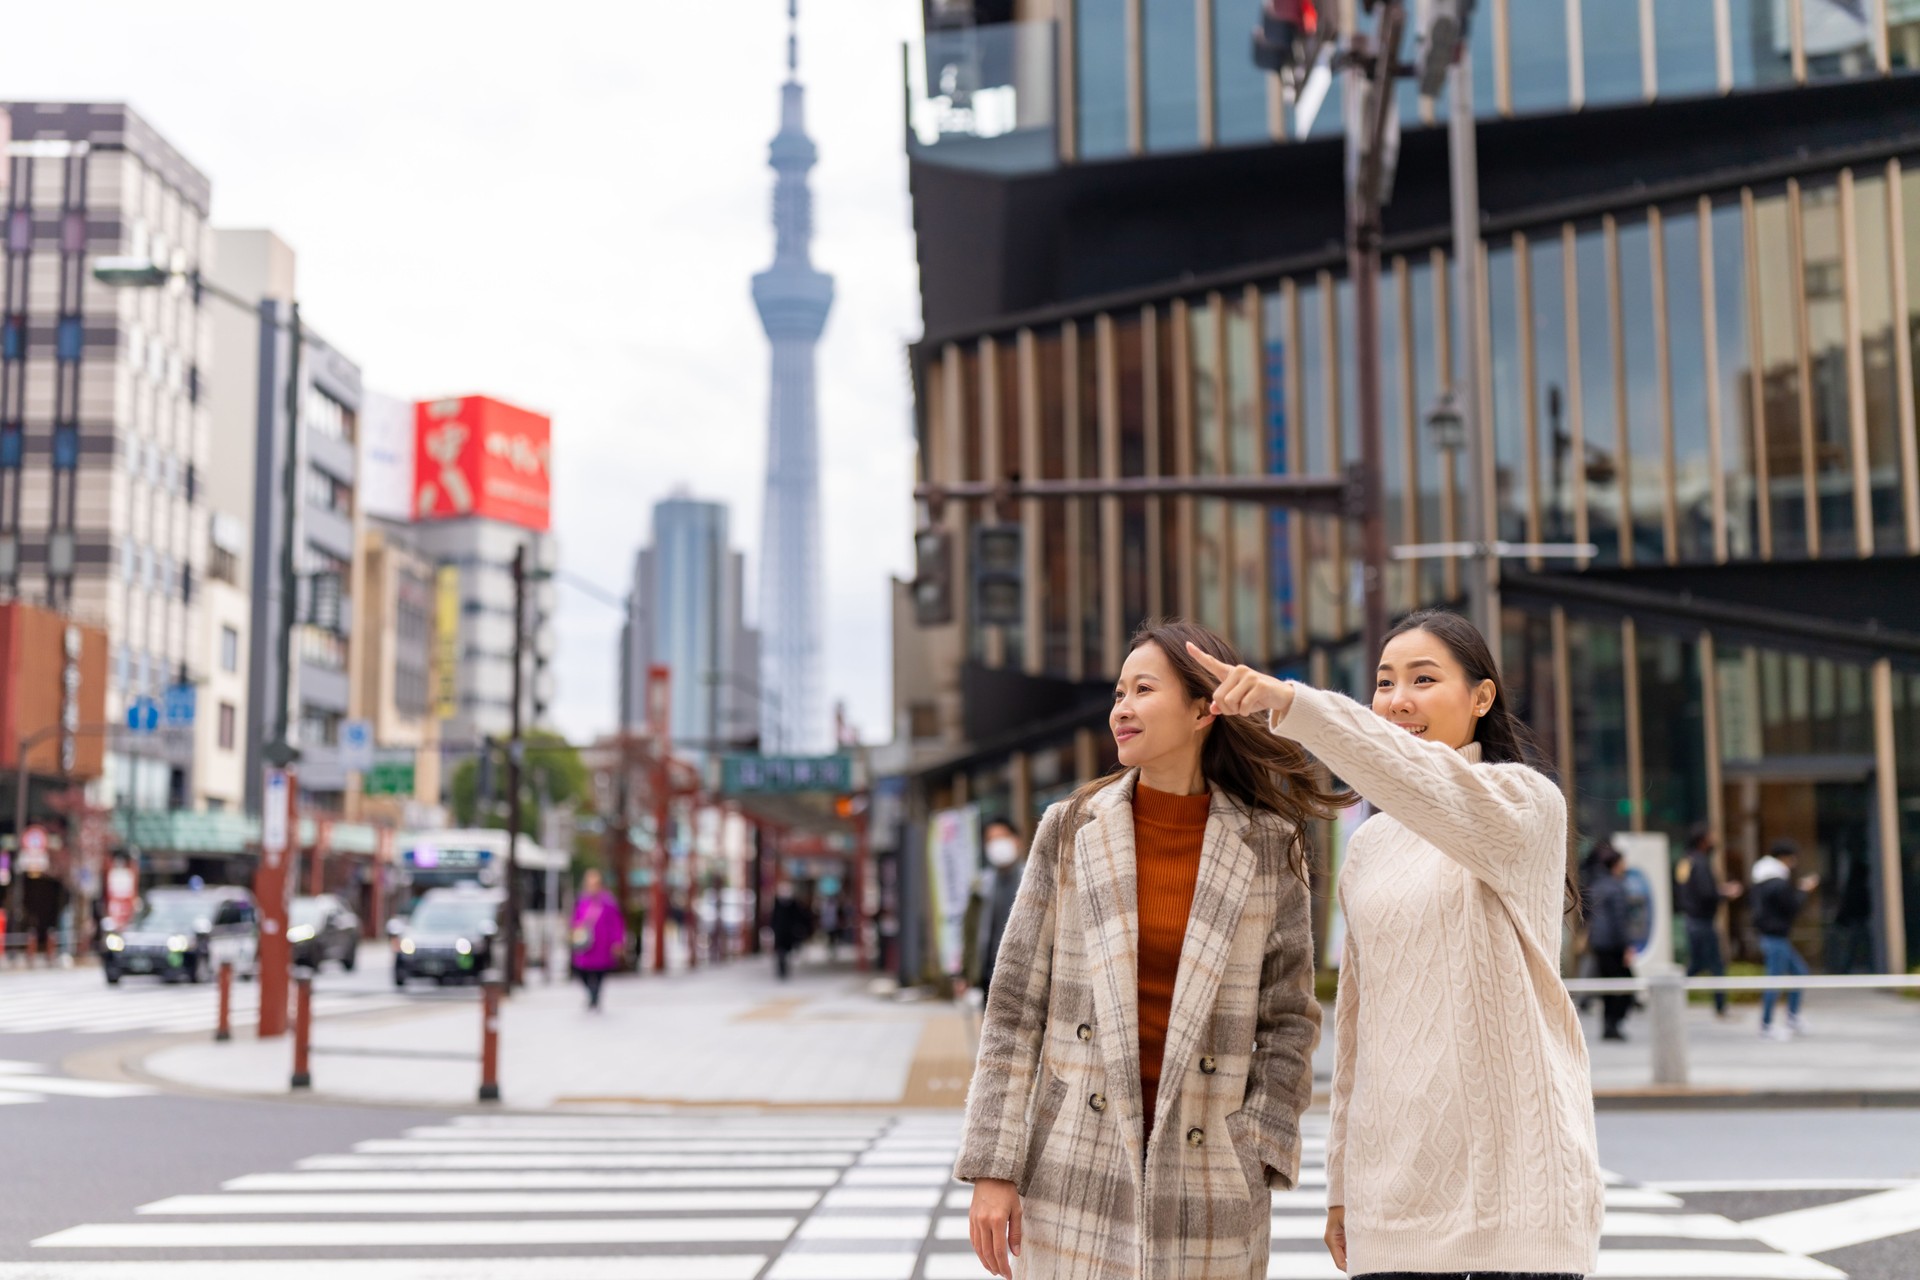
pixel 1242 691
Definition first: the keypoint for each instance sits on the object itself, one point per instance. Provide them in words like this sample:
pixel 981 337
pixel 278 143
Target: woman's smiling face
pixel 1423 688
pixel 1152 712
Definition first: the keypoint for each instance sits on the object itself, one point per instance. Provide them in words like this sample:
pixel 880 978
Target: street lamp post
pixel 270 881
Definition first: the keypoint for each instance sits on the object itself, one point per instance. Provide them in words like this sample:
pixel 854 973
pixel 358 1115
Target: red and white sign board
pixel 477 456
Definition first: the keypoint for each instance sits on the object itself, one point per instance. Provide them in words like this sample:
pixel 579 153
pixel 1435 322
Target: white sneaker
pixel 1797 1025
pixel 1776 1031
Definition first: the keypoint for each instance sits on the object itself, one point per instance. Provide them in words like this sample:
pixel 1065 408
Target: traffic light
pixel 932 577
pixel 1443 29
pixel 997 565
pixel 1283 42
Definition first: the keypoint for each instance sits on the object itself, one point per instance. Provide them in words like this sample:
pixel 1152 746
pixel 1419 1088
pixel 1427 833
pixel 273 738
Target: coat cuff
pixel 973 1169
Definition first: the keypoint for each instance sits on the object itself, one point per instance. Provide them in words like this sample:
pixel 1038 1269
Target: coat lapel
pixel 1110 903
pixel 1219 896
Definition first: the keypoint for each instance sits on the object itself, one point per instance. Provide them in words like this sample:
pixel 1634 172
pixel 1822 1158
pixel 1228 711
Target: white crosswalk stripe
pixel 81 1001
pixel 678 1197
pixel 28 1082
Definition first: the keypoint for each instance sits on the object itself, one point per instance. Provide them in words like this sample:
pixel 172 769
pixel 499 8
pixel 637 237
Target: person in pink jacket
pixel 599 935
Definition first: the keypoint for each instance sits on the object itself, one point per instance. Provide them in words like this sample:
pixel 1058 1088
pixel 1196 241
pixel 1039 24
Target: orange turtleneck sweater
pixel 1167 834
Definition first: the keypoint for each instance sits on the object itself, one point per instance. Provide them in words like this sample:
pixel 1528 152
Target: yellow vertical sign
pixel 446 642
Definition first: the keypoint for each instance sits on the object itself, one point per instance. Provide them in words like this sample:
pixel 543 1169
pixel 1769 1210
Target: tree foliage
pixel 551 774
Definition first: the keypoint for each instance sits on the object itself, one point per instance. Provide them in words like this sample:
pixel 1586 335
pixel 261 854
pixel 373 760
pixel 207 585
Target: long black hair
pixel 1503 737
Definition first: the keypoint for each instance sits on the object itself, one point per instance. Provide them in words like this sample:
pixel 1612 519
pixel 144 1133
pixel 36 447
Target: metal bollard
pixel 302 1028
pixel 490 1039
pixel 1667 1012
pixel 224 1030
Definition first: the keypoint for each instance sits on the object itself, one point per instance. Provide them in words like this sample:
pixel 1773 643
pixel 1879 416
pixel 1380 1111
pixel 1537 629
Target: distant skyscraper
pixel 793 299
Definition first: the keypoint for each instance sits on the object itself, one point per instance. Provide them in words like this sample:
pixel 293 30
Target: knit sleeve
pixel 1494 820
pixel 1346 1031
pixel 994 1138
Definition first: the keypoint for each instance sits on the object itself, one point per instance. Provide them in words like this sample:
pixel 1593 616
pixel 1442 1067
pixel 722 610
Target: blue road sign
pixel 143 715
pixel 179 706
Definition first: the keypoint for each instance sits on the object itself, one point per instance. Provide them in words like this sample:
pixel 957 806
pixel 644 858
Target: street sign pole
pixel 270 893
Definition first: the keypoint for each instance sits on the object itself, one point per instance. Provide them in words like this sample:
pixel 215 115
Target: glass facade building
pixel 1705 370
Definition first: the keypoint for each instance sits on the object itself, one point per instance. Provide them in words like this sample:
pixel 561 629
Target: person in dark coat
pixel 1608 937
pixel 792 926
pixel 1777 900
pixel 991 903
pixel 1699 893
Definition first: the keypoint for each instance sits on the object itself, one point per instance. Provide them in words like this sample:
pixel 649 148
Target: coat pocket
pixel 1046 1110
pixel 1252 1168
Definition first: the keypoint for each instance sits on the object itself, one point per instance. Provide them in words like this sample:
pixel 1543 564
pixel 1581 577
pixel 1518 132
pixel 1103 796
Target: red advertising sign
pixel 476 456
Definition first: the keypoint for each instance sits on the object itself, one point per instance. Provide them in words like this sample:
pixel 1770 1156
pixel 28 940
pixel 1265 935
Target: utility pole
pixel 516 752
pixel 1483 604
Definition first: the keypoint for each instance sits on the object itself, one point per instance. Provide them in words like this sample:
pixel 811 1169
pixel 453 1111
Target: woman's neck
pixel 1174 776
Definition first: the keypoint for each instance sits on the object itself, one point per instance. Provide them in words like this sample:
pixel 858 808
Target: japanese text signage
pixel 746 775
pixel 475 456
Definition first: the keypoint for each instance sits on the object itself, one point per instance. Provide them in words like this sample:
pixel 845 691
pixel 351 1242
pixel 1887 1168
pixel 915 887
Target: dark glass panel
pixel 1173 75
pixel 1100 76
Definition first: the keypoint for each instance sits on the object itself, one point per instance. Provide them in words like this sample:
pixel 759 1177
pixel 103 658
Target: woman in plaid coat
pixel 1073 1178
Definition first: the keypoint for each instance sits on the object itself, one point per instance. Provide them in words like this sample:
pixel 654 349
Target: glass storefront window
pixel 1838 35
pixel 1100 77
pixel 1903 41
pixel 1780 376
pixel 1555 445
pixel 1055 432
pixel 1687 359
pixel 1429 480
pixel 1599 415
pixel 1239 87
pixel 1173 545
pixel 1640 326
pixel 1734 357
pixel 1597 685
pixel 1762 45
pixel 1509 397
pixel 1824 286
pixel 1906 754
pixel 1173 75
pixel 1318 349
pixel 1394 411
pixel 1210 515
pixel 1280 431
pixel 1610 43
pixel 1673 735
pixel 1130 358
pixel 1244 458
pixel 1537 78
pixel 1686 56
pixel 1873 256
pixel 1087 510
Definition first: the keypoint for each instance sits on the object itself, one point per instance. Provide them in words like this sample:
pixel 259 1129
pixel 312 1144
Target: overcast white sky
pixel 561 204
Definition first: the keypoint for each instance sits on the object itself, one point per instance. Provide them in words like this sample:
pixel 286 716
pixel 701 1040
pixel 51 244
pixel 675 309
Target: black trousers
pixel 1703 956
pixel 593 978
pixel 1612 963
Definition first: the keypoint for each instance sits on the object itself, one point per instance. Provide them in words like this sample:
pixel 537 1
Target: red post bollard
pixel 490 1041
pixel 224 1031
pixel 302 1029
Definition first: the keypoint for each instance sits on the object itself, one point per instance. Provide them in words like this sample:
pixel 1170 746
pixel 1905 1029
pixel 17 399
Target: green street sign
pixel 388 778
pixel 770 775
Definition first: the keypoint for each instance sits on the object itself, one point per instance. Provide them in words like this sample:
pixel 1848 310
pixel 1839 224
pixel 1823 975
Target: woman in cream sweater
pixel 1462 1139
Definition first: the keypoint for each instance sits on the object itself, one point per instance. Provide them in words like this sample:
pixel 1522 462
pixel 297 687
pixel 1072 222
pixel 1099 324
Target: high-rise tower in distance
pixel 793 299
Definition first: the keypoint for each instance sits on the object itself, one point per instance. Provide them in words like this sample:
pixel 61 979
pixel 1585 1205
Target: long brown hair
pixel 1503 736
pixel 1264 772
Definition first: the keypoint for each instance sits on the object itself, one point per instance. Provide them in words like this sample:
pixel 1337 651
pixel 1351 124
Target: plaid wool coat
pixel 1054 1106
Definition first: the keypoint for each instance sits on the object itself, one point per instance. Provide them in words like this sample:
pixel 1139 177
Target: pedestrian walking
pixel 1609 937
pixel 1147 1045
pixel 599 935
pixel 830 926
pixel 990 905
pixel 1700 892
pixel 1777 900
pixel 1462 1138
pixel 791 924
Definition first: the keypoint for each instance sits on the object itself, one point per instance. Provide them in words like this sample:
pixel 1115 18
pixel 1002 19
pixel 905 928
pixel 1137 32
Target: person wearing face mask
pixel 990 904
pixel 1147 1048
pixel 1462 1137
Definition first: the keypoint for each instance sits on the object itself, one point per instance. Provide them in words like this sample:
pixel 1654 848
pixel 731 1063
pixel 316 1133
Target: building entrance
pixel 1827 807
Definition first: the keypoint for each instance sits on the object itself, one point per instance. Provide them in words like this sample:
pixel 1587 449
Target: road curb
pixel 1651 1099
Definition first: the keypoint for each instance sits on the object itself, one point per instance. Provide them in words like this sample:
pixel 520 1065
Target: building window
pixel 13 338
pixel 66 448
pixel 11 441
pixel 227 718
pixel 70 338
pixel 923 721
pixel 222 565
pixel 229 649
pixel 325 416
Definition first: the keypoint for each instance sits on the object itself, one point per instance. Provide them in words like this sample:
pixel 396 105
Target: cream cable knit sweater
pixel 1462 1135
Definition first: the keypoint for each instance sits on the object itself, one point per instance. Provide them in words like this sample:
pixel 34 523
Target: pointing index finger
pixel 1213 665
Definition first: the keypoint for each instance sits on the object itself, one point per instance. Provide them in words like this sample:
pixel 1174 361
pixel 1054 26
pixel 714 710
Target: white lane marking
pixel 382 1235
pixel 726 1266
pixel 964 1266
pixel 69 1088
pixel 873 1158
pixel 1663 1226
pixel 843 1266
pixel 1750 1185
pixel 1844 1224
pixel 1308 1200
pixel 923 1198
pixel 508 1180
pixel 557 1127
pixel 544 1160
pixel 1615 1264
pixel 455 1204
pixel 403 1146
pixel 918 1177
pixel 904 1226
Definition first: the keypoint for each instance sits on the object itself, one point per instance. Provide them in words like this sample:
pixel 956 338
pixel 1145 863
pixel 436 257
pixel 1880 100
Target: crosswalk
pixel 28 1082
pixel 570 1196
pixel 79 1001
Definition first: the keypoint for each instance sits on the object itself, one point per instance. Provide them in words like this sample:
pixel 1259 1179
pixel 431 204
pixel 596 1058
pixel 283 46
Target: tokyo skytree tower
pixel 793 299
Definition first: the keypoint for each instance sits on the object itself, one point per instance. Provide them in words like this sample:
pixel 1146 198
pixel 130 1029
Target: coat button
pixel 1195 1138
pixel 1098 1101
pixel 1085 1032
pixel 1208 1066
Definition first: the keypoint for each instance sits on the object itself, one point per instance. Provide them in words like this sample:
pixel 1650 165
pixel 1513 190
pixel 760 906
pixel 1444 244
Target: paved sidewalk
pixel 735 1036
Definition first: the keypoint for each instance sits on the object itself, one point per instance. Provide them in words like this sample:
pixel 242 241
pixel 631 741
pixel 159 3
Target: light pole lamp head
pixel 1447 423
pixel 131 273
